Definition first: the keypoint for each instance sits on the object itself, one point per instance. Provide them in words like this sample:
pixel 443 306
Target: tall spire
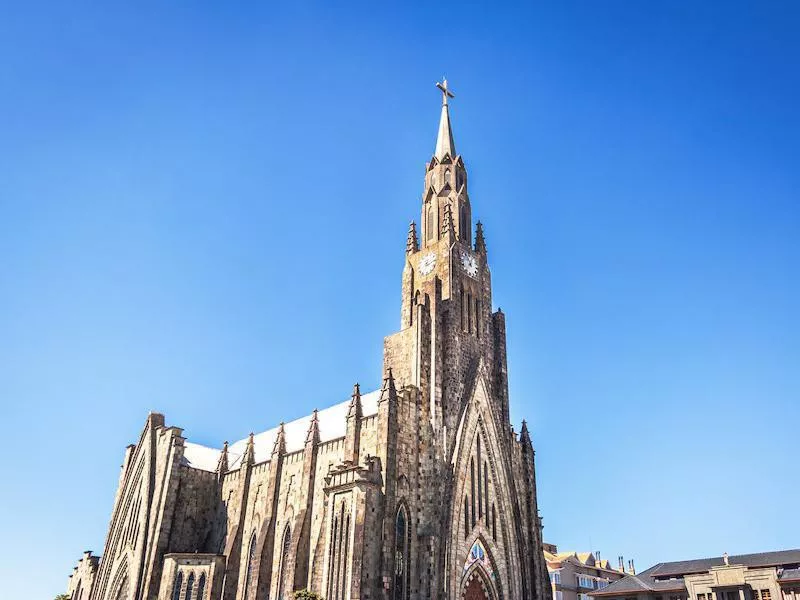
pixel 444 141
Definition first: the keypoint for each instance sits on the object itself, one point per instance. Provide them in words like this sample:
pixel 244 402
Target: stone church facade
pixel 418 490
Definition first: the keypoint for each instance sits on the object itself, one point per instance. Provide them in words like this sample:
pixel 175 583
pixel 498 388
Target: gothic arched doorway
pixel 478 582
pixel 475 590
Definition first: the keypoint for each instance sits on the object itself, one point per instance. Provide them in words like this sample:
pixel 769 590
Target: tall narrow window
pixel 486 488
pixel 463 313
pixel 189 587
pixel 430 223
pixel 472 486
pixel 480 482
pixel 201 587
pixel 469 313
pixel 463 225
pixel 251 552
pixel 77 593
pixel 340 546
pixel 332 557
pixel 400 555
pixel 478 317
pixel 176 593
pixel 466 517
pixel 285 547
pixel 494 522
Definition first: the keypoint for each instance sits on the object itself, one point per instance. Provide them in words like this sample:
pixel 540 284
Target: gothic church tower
pixel 451 349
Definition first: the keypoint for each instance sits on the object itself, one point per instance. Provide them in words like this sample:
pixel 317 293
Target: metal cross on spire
pixel 445 91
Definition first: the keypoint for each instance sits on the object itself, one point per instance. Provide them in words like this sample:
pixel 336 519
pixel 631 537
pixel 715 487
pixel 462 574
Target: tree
pixel 307 595
pixel 62 597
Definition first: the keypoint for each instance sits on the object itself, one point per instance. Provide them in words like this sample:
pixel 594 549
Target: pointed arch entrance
pixel 475 590
pixel 478 581
pixel 476 586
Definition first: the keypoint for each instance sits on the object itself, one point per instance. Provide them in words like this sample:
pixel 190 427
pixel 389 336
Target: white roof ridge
pixel 332 425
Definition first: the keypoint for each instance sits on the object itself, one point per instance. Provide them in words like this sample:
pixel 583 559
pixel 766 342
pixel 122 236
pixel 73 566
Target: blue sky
pixel 203 211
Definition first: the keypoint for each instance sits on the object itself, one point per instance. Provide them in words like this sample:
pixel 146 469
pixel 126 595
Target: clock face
pixel 470 264
pixel 427 263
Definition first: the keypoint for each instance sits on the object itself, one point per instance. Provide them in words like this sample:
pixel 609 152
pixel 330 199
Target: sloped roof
pixel 586 558
pixel 761 559
pixel 790 575
pixel 669 575
pixel 332 425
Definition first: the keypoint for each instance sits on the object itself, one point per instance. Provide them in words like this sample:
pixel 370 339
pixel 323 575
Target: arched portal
pixel 479 579
pixel 476 586
pixel 475 590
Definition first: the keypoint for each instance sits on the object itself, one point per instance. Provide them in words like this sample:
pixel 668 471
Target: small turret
pixel 412 243
pixel 313 429
pixel 524 435
pixel 279 447
pixel 388 390
pixel 352 444
pixel 480 242
pixel 249 451
pixel 222 464
pixel 354 411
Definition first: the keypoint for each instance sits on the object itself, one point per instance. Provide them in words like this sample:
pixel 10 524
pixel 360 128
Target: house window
pixel 555 577
pixel 559 595
pixel 765 595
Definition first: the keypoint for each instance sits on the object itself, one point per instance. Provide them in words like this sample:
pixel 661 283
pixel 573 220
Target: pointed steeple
pixel 279 447
pixel 444 141
pixel 480 241
pixel 354 411
pixel 222 464
pixel 313 429
pixel 388 390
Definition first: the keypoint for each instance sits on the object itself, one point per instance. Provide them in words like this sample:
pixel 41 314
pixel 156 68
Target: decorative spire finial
pixel 249 451
pixel 354 411
pixel 480 241
pixel 444 141
pixel 412 243
pixel 279 447
pixel 388 390
pixel 313 429
pixel 222 463
pixel 447 223
pixel 446 93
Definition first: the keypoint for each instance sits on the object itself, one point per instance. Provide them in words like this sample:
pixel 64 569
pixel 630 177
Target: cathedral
pixel 418 490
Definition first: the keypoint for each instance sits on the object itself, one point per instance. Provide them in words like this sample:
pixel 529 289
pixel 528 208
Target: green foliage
pixel 62 597
pixel 307 595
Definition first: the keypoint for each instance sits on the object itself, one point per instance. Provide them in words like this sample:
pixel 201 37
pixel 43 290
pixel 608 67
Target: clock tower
pixel 447 273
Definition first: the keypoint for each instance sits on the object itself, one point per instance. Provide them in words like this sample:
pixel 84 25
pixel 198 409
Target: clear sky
pixel 203 212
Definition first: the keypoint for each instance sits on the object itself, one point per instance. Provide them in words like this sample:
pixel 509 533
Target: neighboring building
pixel 576 575
pixel 764 576
pixel 418 490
